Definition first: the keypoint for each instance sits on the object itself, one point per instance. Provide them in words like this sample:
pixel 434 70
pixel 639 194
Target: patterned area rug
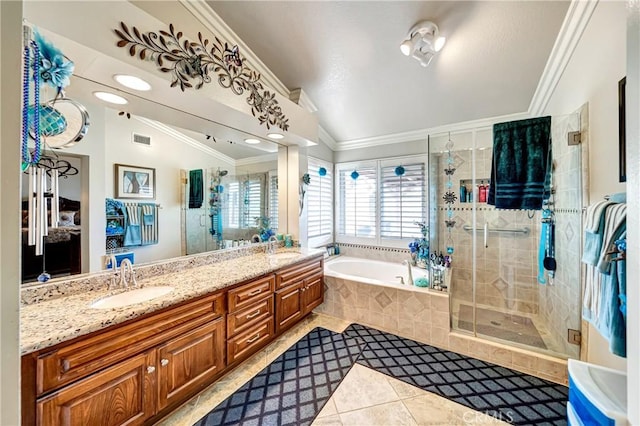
pixel 505 394
pixel 511 327
pixel 294 387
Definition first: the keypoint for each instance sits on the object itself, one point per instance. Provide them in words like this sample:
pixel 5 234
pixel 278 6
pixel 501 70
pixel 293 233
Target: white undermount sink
pixel 284 255
pixel 131 297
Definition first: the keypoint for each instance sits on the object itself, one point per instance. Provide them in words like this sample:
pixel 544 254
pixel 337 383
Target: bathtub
pixel 374 272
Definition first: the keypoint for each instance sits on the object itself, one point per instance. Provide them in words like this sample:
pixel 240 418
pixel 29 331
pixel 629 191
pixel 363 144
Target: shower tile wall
pixel 506 270
pixel 560 302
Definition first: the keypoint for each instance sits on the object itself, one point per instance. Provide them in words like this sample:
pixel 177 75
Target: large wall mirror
pixel 159 135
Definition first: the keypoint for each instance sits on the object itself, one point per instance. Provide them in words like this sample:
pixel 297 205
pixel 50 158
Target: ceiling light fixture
pixel 275 135
pixel 110 97
pixel 132 82
pixel 423 42
pixel 252 141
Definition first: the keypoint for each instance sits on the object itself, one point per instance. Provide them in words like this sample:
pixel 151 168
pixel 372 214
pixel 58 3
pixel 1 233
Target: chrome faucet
pixel 124 265
pixel 271 244
pixel 401 278
pixel 410 273
pixel 115 277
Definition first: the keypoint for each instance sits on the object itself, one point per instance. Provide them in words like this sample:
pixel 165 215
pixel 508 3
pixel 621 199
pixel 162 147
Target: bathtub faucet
pixel 410 273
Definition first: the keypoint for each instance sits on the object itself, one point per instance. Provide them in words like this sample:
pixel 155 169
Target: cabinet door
pixel 187 362
pixel 122 394
pixel 289 306
pixel 313 294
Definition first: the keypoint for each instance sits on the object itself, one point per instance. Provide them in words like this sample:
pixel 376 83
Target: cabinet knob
pixel 164 362
pixel 151 369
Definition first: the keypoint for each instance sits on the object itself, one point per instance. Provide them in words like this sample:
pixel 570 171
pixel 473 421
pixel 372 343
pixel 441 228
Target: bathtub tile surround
pixel 385 254
pixel 423 315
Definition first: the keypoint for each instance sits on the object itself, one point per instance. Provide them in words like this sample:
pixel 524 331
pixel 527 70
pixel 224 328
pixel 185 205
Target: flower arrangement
pixel 264 227
pixel 419 247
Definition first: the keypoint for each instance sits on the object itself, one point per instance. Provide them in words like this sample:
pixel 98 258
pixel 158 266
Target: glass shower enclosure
pixel 499 288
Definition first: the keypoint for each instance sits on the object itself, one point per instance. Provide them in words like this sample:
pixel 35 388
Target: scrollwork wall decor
pixel 191 64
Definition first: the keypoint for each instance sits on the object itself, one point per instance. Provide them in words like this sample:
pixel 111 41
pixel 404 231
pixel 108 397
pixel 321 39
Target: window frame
pixel 322 240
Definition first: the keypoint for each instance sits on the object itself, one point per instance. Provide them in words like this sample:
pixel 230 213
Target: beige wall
pixel 592 76
pixel 10 46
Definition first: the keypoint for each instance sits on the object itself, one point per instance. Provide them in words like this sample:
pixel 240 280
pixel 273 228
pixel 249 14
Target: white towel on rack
pixel 149 224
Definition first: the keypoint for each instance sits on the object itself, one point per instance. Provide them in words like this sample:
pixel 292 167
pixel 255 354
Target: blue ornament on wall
pixel 322 171
pixel 354 175
pixel 399 171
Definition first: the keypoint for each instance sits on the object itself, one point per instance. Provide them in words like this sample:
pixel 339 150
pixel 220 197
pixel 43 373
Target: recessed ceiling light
pixel 132 82
pixel 275 135
pixel 252 141
pixel 110 97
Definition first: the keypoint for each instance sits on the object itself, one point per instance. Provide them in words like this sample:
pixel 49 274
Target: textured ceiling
pixel 346 57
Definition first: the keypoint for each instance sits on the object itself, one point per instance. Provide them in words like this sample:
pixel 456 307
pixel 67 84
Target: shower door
pixel 497 291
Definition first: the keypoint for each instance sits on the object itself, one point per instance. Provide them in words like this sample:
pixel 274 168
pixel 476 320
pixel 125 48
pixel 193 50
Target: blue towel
pixel 521 166
pixel 196 192
pixel 542 248
pixel 620 197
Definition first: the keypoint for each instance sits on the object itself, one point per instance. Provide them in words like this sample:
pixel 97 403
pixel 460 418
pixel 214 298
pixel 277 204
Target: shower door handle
pixel 486 234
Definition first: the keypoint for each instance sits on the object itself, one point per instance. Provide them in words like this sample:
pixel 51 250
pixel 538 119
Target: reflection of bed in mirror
pixel 62 249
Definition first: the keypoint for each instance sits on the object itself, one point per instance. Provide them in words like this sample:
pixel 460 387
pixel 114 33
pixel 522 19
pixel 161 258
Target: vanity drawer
pixel 245 318
pixel 245 295
pixel 244 344
pixel 94 352
pixel 293 274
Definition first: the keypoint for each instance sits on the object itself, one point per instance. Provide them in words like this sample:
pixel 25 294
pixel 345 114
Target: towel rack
pixel 524 230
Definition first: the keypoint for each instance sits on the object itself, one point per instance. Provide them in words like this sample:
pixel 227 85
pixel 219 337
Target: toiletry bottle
pixel 336 249
pixel 485 192
pixel 482 193
pixel 463 194
pixel 469 196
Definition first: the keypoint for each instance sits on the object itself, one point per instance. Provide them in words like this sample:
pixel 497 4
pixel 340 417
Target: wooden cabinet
pixel 188 362
pixel 136 372
pixel 300 290
pixel 250 319
pixel 122 394
pixel 129 373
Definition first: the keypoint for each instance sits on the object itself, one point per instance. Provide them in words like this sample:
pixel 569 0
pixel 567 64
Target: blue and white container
pixel 597 395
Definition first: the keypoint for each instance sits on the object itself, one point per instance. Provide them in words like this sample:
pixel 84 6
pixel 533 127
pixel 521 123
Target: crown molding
pixel 417 135
pixel 257 159
pixel 327 139
pixel 299 97
pixel 574 24
pixel 181 137
pixel 212 22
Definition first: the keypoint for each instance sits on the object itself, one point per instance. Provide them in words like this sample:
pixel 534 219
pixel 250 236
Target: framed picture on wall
pixel 135 182
pixel 622 158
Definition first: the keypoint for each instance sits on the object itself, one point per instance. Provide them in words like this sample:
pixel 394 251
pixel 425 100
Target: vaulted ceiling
pixel 345 55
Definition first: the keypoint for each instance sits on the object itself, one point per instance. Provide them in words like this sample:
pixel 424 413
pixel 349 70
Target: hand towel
pixel 542 247
pixel 132 233
pixel 593 232
pixel 196 191
pixel 521 164
pixel 149 229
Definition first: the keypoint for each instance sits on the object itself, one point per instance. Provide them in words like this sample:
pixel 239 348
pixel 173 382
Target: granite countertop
pixel 54 321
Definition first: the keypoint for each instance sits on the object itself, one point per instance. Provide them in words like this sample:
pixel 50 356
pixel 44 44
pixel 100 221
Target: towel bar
pixel 523 230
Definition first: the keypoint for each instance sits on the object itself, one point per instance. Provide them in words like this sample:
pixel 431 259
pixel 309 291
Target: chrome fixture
pixel 271 245
pixel 409 272
pixel 124 265
pixel 401 278
pixel 423 42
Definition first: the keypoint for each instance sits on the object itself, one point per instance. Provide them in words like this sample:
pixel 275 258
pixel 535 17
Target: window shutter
pixel 251 200
pixel 319 200
pixel 402 201
pixel 357 216
pixel 273 201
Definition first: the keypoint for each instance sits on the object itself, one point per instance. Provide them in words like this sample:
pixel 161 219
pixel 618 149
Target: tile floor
pixel 365 397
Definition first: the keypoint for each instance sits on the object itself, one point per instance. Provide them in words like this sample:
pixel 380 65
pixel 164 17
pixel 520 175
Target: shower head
pixel 222 172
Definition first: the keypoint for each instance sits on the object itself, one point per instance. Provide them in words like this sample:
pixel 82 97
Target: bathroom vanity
pixel 139 369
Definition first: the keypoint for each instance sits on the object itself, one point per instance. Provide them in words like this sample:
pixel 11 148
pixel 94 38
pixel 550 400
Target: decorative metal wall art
pixel 449 196
pixel 191 63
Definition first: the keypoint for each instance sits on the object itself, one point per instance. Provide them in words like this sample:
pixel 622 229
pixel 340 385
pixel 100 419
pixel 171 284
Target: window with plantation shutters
pixel 319 203
pixel 402 200
pixel 251 201
pixel 233 205
pixel 273 201
pixel 358 201
pixel 382 205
